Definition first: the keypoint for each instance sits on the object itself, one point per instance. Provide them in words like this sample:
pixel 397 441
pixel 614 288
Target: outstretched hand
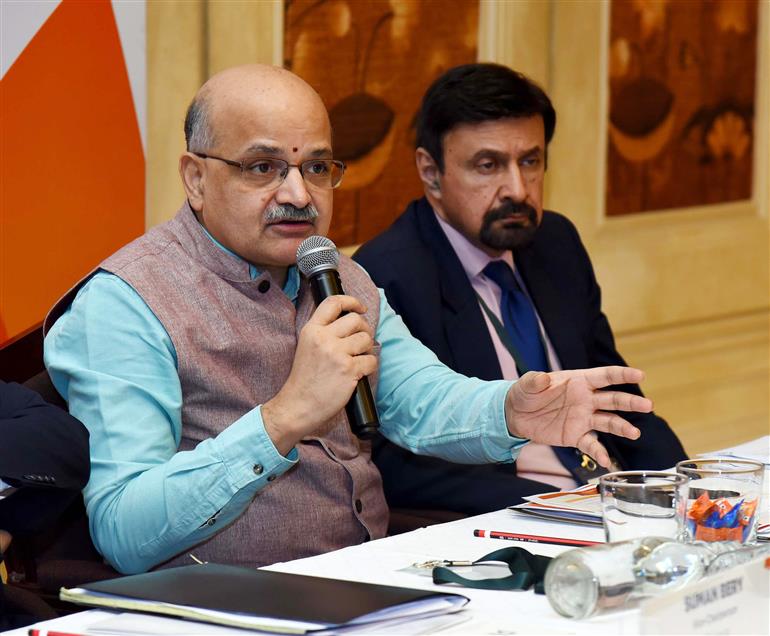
pixel 561 408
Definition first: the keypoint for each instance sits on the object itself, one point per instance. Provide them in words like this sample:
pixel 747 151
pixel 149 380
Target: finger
pixel 357 344
pixel 349 324
pixel 614 424
pixel 365 364
pixel 533 382
pixel 592 447
pixel 619 401
pixel 331 308
pixel 599 377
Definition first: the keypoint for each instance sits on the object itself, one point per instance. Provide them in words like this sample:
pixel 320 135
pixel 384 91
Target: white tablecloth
pixel 489 612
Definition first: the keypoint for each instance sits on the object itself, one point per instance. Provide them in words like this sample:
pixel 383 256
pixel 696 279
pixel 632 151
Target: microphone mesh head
pixel 316 254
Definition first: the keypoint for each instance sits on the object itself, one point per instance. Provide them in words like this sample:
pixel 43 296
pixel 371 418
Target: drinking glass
pixel 724 498
pixel 641 503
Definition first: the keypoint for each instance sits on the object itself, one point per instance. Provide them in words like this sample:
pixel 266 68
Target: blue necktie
pixel 519 317
pixel 521 324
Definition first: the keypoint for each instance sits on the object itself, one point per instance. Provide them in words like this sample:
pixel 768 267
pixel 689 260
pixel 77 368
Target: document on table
pixel 264 601
pixel 128 624
pixel 580 505
pixel 583 504
pixel 757 449
pixel 6 489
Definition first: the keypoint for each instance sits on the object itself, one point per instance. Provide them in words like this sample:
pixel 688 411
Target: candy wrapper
pixel 720 520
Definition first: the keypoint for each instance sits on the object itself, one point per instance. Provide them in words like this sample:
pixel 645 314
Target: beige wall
pixel 187 41
pixel 686 291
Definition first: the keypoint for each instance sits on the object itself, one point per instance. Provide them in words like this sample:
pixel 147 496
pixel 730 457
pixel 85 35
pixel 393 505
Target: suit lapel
pixel 460 313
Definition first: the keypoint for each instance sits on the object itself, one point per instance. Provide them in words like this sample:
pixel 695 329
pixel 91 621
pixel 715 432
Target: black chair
pixel 408 519
pixel 62 555
pixel 19 607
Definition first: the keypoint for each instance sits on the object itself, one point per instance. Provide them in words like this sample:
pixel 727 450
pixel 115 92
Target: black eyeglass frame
pixel 242 166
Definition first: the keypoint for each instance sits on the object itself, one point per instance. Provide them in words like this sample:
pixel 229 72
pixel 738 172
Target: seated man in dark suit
pixel 44 463
pixel 495 285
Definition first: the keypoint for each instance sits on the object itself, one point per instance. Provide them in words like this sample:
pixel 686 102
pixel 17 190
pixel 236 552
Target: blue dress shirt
pixel 113 361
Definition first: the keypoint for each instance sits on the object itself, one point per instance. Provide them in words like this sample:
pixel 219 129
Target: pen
pixel 532 538
pixel 47 632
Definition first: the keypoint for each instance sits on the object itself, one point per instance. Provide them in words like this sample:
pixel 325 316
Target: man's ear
pixel 429 172
pixel 192 170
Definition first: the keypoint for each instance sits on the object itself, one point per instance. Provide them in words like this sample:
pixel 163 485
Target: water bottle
pixel 582 582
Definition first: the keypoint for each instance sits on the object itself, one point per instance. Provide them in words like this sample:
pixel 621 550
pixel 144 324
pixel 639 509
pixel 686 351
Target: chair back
pixel 22 357
pixel 62 555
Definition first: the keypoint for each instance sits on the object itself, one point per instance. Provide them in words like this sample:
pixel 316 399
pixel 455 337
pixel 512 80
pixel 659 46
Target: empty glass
pixel 641 503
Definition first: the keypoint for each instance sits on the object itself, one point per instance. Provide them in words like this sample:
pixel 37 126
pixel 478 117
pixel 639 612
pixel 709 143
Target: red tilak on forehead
pixel 294 150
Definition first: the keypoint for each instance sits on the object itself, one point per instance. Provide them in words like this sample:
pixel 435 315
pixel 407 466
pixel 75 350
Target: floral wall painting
pixel 682 77
pixel 371 62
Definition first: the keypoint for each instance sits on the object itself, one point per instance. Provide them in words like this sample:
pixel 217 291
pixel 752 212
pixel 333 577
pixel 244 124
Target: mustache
pixel 510 208
pixel 289 212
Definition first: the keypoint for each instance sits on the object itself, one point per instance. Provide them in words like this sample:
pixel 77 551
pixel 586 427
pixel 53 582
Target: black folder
pixel 263 600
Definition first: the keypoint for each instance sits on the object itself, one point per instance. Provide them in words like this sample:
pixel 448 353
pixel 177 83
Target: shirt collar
pixel 473 259
pixel 290 288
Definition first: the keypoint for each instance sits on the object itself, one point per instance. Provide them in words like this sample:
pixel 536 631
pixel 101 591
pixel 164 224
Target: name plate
pixel 731 602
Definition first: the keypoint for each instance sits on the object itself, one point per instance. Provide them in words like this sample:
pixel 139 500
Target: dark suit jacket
pixel 424 281
pixel 43 452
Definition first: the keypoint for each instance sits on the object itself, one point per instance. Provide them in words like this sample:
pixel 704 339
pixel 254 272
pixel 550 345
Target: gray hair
pixel 196 126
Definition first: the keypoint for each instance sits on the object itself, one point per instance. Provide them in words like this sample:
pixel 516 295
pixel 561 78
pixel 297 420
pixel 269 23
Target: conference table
pixel 388 561
pixel 383 561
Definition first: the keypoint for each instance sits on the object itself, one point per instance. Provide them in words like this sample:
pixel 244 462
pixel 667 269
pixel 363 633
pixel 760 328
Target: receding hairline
pixel 238 81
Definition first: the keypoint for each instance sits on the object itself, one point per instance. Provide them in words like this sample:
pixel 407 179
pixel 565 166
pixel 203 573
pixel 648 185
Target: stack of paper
pixel 758 450
pixel 581 505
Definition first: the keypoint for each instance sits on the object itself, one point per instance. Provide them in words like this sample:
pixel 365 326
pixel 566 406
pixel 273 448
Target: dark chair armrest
pixel 408 519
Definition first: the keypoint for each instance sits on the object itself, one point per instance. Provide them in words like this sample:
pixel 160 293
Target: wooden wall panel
pixel 686 290
pixel 360 57
pixel 709 379
pixel 668 267
pixel 517 34
pixel 176 67
pixel 188 41
pixel 244 32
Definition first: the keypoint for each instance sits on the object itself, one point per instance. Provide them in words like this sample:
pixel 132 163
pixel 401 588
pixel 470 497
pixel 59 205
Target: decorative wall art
pixel 371 62
pixel 682 78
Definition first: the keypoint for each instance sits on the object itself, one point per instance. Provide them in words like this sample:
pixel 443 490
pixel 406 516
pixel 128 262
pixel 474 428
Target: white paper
pixel 5 489
pixel 757 449
pixel 425 607
pixel 580 505
pixel 130 623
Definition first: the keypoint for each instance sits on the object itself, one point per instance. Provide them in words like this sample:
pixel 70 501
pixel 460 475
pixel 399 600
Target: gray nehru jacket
pixel 235 340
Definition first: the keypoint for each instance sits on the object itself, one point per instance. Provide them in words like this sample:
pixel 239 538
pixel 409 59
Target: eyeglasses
pixel 269 173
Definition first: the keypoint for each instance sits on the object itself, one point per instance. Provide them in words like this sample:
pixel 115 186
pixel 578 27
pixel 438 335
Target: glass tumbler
pixel 641 503
pixel 724 498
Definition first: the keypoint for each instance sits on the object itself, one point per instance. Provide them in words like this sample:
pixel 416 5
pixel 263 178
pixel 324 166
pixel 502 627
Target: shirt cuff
pixel 249 454
pixel 497 441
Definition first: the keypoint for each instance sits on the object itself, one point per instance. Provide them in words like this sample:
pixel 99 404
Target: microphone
pixel 317 259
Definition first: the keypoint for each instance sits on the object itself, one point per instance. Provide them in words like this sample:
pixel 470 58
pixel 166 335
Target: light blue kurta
pixel 116 365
